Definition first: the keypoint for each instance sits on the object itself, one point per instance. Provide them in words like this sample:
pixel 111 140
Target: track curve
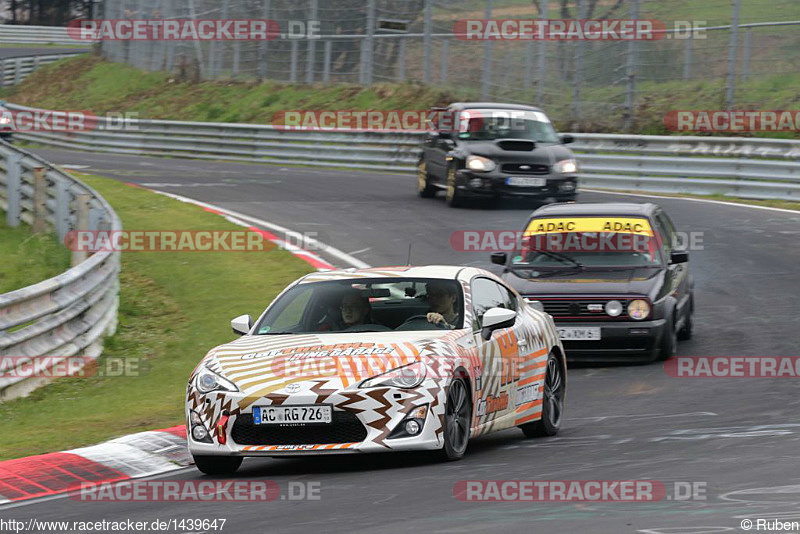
pixel 621 423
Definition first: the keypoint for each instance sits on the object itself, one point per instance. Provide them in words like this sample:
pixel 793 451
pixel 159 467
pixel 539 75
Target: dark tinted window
pixel 486 294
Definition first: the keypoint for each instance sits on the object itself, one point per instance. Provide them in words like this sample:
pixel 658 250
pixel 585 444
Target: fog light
pixel 476 183
pixel 567 186
pixel 199 433
pixel 412 427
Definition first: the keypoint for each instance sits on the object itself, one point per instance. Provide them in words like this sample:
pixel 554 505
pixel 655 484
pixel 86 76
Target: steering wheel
pixel 422 318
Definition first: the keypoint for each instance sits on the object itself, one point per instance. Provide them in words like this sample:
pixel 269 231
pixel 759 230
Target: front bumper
pixel 363 421
pixel 619 341
pixel 494 184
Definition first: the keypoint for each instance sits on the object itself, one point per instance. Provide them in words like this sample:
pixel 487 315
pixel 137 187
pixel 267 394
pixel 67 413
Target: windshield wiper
pixel 559 257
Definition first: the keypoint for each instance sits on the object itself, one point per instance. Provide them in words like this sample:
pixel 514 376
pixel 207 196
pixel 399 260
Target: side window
pixel 667 232
pixel 485 294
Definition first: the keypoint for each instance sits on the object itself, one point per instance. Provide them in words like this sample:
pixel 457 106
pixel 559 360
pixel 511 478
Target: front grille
pixel 580 308
pixel 518 168
pixel 345 428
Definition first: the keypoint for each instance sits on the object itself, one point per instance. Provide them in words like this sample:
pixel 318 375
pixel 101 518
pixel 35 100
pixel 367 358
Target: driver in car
pixel 442 301
pixel 355 309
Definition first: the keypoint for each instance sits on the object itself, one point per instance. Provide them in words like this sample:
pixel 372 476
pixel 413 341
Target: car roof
pixel 597 208
pixel 491 105
pixel 444 272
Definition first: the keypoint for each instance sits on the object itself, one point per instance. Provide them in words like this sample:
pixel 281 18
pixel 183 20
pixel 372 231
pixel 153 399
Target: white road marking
pixel 751 206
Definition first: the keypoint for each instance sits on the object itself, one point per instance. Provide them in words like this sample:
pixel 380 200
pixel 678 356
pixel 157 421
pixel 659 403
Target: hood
pixel 259 365
pixel 544 153
pixel 638 281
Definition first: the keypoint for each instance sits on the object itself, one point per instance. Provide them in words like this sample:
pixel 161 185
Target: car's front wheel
pixel 457 416
pixel 552 402
pixel 453 196
pixel 217 465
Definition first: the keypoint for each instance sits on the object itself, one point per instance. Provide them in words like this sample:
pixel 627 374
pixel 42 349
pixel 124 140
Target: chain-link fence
pixel 373 41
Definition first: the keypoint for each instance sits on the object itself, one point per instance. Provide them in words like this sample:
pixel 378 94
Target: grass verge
pixel 29 258
pixel 174 307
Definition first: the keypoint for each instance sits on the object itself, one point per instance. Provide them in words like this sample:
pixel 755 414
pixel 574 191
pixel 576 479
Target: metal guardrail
pixel 15 69
pixel 742 167
pixel 36 35
pixel 66 316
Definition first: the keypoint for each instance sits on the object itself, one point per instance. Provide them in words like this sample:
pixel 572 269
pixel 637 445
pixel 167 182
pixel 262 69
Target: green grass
pixel 89 82
pixel 174 307
pixel 28 258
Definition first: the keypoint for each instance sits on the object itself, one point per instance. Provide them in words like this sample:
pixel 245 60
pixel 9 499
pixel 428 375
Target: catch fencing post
pixel 445 52
pixel 13 188
pixel 369 55
pixel 576 83
pixel 312 49
pixel 39 200
pixel 747 43
pixel 426 40
pixel 293 61
pixel 542 70
pixel 630 90
pixel 401 60
pixel 687 56
pixel 326 69
pixel 729 94
pixel 487 58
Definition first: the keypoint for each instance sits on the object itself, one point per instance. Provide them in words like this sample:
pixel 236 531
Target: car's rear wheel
pixel 454 196
pixel 217 465
pixel 424 187
pixel 552 402
pixel 457 415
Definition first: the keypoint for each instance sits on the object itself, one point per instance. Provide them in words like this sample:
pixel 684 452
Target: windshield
pixel 365 305
pixel 493 124
pixel 586 242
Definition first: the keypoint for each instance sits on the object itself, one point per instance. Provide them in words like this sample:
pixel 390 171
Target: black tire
pixel 669 340
pixel 687 330
pixel 454 197
pixel 424 187
pixel 457 420
pixel 552 402
pixel 217 465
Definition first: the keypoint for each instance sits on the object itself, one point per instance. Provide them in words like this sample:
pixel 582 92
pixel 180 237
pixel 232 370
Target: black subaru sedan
pixel 611 276
pixel 490 150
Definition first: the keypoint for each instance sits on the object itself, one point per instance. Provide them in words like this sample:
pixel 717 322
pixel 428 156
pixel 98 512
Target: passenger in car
pixel 442 301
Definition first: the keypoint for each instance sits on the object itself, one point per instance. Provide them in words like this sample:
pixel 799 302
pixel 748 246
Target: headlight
pixel 638 309
pixel 613 308
pixel 481 164
pixel 409 376
pixel 208 381
pixel 567 166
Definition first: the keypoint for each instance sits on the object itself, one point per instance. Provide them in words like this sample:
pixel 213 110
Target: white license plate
pixel 526 181
pixel 574 333
pixel 292 415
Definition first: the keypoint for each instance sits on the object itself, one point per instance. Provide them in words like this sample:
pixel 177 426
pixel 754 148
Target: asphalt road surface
pixel 737 440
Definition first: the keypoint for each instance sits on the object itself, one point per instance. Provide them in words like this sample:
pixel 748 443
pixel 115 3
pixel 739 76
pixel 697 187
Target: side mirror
pixel 242 324
pixel 566 139
pixel 499 258
pixel 496 318
pixel 678 256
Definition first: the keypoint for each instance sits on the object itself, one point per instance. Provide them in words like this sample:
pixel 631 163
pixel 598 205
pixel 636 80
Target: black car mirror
pixel 566 139
pixel 678 256
pixel 499 258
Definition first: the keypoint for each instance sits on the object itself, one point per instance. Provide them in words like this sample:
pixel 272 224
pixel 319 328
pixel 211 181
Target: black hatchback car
pixel 610 275
pixel 490 150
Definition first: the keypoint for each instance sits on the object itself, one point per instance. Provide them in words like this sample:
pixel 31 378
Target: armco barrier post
pixel 61 218
pixel 13 189
pixel 39 200
pixel 81 223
